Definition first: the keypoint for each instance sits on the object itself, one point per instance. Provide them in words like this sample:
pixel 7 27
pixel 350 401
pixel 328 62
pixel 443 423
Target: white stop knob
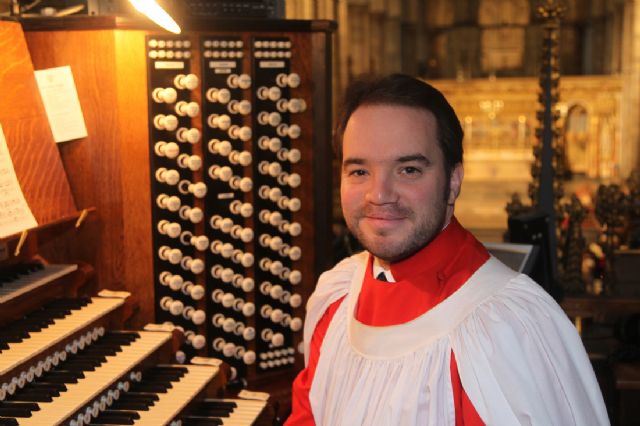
pixel 294 180
pixel 295 277
pixel 228 299
pixel 220 147
pixel 276 291
pixel 244 81
pixel 293 80
pixel 247 260
pixel 227 275
pixel 189 81
pixel 228 325
pixel 218 95
pixel 294 155
pixel 247 284
pixel 173 281
pixel 295 300
pixel 246 235
pixel 296 324
pixel 244 158
pixel 200 242
pixel 189 109
pixel 249 333
pixel 243 133
pixel 198 341
pixel 249 357
pixel 246 210
pixel 196 292
pixel 294 204
pixel 199 189
pixel 248 309
pixel 170 177
pixel 168 95
pixel 276 315
pixel 244 107
pixel 277 339
pixel 195 214
pixel 222 122
pixel 295 253
pixel 228 349
pixel 174 256
pixel 226 225
pixel 176 307
pixel 198 317
pixel 197 266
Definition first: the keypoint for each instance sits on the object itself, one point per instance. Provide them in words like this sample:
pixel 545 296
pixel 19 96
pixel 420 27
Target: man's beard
pixel 422 234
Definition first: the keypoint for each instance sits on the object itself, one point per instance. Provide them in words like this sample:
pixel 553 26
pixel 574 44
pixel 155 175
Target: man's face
pixel 394 192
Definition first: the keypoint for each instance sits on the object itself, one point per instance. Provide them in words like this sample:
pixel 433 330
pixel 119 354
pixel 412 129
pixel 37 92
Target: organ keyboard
pixel 23 279
pixel 90 388
pixel 38 341
pixel 172 402
pixel 226 412
pixel 59 365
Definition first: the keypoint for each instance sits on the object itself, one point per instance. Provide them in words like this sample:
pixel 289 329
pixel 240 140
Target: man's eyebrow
pixel 402 159
pixel 413 157
pixel 350 161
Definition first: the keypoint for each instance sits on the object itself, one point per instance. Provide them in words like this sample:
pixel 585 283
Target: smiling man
pixel 425 327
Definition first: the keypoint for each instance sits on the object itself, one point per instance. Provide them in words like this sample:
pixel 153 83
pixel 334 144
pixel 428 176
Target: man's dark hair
pixel 404 90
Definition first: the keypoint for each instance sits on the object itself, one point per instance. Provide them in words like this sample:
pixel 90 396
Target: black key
pixel 54 376
pixel 212 412
pixel 115 419
pixel 132 414
pixel 201 421
pixel 130 405
pixel 220 404
pixel 59 387
pixel 15 412
pixel 8 422
pixel 151 387
pixel 149 398
pixel 31 406
pixel 33 396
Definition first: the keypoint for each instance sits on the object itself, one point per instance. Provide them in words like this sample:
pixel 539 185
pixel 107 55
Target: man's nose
pixel 381 190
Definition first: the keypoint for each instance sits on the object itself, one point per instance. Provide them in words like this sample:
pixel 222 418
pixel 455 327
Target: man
pixel 425 327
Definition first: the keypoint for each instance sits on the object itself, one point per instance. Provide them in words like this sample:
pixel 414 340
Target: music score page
pixel 15 214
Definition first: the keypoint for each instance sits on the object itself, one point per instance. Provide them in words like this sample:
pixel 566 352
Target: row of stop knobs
pixel 225 174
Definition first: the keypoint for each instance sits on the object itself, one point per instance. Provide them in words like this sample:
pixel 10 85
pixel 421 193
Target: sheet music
pixel 15 214
pixel 61 103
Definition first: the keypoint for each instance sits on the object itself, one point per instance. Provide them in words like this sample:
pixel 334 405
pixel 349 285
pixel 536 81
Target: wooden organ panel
pixel 25 125
pixel 220 170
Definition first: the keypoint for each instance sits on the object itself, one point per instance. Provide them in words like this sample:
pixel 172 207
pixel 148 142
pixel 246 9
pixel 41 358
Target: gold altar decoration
pixel 501 148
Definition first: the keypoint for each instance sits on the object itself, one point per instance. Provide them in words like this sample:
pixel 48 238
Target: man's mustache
pixel 385 212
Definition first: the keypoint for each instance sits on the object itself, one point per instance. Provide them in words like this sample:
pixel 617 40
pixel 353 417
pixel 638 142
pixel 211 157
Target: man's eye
pixel 357 172
pixel 411 170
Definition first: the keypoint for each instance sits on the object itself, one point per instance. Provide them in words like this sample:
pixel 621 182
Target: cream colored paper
pixel 15 214
pixel 61 103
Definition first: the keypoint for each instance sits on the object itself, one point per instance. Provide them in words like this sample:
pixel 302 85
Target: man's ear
pixel 455 183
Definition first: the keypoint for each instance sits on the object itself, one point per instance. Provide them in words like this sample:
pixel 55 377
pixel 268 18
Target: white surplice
pixel 520 360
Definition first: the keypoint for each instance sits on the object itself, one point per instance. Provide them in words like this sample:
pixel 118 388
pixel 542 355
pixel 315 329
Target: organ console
pixel 64 356
pixel 208 162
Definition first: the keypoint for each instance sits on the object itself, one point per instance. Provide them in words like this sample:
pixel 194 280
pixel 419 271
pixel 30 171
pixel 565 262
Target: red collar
pixel 422 280
pixel 434 257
